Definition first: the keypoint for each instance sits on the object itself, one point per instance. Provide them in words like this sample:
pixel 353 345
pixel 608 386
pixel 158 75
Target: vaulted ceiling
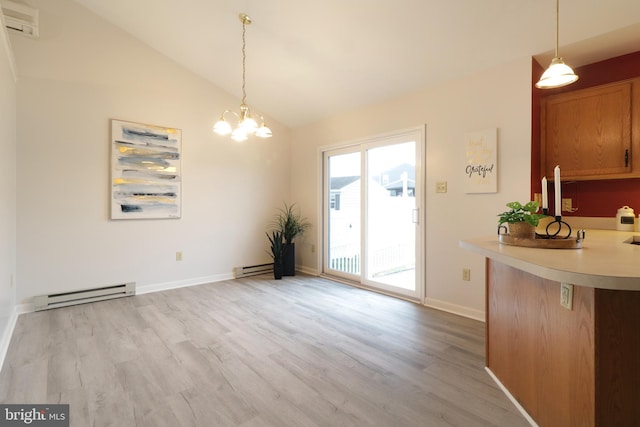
pixel 308 60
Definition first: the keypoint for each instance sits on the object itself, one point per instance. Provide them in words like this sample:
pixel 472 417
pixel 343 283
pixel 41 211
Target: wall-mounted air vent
pixel 20 18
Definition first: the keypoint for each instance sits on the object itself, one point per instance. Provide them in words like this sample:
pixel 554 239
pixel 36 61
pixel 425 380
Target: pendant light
pixel 246 125
pixel 558 74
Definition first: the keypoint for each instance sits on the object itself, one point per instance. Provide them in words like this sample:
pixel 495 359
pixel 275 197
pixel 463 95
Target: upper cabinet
pixel 592 133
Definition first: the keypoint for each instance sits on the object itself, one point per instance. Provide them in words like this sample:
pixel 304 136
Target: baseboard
pixel 513 400
pixel 25 308
pixel 156 287
pixel 159 287
pixel 7 334
pixel 307 270
pixel 455 309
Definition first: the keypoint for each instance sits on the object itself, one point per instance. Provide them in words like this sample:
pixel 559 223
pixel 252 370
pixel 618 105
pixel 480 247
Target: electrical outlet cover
pixel 566 295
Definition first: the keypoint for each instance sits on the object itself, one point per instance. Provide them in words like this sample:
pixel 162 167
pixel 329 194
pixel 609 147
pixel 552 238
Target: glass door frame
pixel 417 134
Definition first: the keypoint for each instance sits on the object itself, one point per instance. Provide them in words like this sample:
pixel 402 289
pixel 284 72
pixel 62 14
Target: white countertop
pixel 603 262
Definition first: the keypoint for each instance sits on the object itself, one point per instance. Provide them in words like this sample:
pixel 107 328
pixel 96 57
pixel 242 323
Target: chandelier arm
pixel 231 112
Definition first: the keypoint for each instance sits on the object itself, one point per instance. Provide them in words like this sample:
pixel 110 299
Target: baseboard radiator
pixel 253 270
pixel 45 302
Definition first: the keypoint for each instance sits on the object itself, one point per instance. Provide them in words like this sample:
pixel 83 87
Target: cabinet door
pixel 587 132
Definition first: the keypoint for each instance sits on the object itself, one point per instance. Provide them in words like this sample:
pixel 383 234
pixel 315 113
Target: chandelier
pixel 558 74
pixel 246 124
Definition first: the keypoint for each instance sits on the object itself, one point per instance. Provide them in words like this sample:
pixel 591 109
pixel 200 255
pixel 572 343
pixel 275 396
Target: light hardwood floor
pixel 302 351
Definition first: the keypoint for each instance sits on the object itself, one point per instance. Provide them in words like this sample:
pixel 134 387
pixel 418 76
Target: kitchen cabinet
pixel 592 133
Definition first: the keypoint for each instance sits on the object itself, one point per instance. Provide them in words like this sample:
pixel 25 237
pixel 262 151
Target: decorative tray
pixel 543 242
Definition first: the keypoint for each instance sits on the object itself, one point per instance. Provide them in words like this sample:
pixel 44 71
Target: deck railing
pixel 386 260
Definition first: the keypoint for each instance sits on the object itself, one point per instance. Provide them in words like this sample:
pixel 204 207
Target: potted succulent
pixel 290 223
pixel 521 219
pixel 278 251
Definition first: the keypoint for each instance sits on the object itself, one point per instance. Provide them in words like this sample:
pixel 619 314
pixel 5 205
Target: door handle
pixel 626 158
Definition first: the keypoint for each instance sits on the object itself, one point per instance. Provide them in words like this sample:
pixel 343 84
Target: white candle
pixel 556 186
pixel 545 195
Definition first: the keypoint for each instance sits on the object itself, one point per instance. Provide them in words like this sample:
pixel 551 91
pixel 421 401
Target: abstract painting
pixel 145 171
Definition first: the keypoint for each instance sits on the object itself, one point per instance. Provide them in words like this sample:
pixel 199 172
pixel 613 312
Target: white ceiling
pixel 308 60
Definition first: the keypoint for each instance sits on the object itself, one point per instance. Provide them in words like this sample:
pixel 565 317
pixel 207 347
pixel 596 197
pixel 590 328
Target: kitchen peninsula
pixel 566 367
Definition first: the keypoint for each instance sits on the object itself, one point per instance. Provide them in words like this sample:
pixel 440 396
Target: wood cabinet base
pixel 578 367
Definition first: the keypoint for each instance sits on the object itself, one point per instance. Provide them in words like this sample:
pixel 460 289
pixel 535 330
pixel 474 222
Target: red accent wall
pixel 592 198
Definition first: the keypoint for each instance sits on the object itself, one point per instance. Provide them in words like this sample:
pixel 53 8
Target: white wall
pixel 83 71
pixel 7 189
pixel 78 75
pixel 497 98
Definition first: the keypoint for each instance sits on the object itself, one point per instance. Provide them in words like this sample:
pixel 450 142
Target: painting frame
pixel 481 161
pixel 146 171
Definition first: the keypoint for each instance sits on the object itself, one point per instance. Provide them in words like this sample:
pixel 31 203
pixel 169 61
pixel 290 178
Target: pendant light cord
pixel 557 24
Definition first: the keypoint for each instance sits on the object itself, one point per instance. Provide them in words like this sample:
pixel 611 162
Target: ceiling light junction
pixel 246 125
pixel 558 74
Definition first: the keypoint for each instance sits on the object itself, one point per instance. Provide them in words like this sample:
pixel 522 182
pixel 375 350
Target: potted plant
pixel 522 219
pixel 278 251
pixel 290 223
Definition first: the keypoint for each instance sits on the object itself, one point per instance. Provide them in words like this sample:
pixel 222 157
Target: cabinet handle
pixel 626 158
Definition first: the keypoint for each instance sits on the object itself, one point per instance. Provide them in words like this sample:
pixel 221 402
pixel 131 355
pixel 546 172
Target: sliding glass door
pixel 344 210
pixel 372 201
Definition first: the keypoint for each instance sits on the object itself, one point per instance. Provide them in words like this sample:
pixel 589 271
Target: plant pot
pixel 278 269
pixel 522 230
pixel 289 259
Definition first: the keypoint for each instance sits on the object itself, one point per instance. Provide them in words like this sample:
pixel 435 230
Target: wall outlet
pixel 566 205
pixel 466 274
pixel 566 295
pixel 313 248
pixel 441 187
pixel 179 256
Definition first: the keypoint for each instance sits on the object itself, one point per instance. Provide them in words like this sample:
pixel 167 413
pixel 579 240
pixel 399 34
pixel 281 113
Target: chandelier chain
pixel 244 64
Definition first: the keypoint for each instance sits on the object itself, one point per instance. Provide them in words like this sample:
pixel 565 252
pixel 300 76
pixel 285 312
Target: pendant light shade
pixel 558 74
pixel 246 125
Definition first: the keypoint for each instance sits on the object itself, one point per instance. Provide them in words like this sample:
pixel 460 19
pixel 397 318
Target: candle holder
pixel 555 228
pixel 554 236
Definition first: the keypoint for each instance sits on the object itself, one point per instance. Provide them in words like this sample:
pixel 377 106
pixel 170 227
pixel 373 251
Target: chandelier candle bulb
pixel 558 195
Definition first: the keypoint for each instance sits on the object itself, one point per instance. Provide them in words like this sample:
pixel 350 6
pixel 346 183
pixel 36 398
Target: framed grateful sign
pixel 481 167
